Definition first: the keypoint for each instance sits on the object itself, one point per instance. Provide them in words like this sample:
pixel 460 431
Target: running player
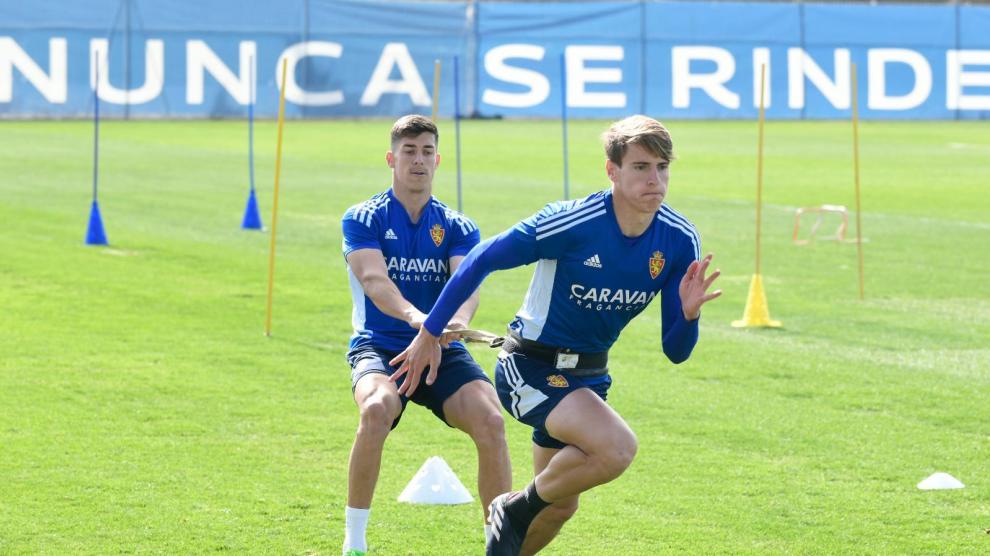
pixel 599 262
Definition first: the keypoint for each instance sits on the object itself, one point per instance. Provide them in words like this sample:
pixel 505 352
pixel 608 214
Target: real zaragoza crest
pixel 656 264
pixel 437 234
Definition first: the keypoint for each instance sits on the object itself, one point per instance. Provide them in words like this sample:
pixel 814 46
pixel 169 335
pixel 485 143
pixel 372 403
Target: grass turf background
pixel 143 411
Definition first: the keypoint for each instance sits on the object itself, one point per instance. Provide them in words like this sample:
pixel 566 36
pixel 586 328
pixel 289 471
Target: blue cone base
pixel 252 219
pixel 94 233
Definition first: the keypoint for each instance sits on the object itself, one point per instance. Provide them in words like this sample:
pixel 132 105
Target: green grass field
pixel 143 411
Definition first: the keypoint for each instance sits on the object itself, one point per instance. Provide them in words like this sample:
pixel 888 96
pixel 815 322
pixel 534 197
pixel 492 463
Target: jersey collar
pixel 408 221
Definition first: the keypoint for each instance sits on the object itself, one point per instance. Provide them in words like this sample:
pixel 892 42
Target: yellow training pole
pixel 859 225
pixel 278 169
pixel 759 167
pixel 756 312
pixel 436 87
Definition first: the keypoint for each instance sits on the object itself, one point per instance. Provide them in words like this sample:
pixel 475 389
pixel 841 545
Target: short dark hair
pixel 637 130
pixel 413 125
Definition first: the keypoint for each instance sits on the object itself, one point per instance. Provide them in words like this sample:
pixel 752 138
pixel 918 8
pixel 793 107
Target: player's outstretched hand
pixel 424 351
pixel 694 287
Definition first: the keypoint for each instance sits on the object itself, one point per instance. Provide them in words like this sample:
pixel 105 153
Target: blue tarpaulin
pixel 171 58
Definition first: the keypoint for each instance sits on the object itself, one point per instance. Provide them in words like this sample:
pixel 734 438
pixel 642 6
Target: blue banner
pixel 171 58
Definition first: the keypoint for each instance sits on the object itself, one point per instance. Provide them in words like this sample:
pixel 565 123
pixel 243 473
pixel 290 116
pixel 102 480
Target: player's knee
pixel 494 423
pixel 626 447
pixel 613 461
pixel 489 429
pixel 376 417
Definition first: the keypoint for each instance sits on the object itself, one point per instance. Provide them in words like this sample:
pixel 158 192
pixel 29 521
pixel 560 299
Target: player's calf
pixel 548 524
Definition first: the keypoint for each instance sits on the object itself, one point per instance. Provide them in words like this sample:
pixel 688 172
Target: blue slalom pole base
pixel 94 233
pixel 252 219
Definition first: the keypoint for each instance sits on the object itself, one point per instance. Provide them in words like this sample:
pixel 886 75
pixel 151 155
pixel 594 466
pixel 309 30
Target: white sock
pixel 355 523
pixel 488 532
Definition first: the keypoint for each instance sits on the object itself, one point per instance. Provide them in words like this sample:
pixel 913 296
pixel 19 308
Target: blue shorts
pixel 530 389
pixel 457 368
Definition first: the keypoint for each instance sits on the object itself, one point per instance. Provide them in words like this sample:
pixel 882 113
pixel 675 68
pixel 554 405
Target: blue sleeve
pixel 679 335
pixel 510 249
pixel 551 241
pixel 466 236
pixel 360 230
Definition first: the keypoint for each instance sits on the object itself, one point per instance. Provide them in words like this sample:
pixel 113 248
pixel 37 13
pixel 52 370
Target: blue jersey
pixel 417 256
pixel 590 280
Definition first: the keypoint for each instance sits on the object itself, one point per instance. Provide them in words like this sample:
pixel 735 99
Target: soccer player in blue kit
pixel 401 247
pixel 599 262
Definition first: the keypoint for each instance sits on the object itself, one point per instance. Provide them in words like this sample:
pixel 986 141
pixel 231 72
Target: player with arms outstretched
pixel 599 262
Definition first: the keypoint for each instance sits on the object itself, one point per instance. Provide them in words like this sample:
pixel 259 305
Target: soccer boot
pixel 507 534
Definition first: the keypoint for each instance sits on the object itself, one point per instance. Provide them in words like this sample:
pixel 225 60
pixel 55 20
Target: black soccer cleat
pixel 507 535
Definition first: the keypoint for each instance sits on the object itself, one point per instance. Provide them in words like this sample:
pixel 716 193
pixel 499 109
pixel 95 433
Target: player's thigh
pixel 474 404
pixel 460 393
pixel 584 420
pixel 374 389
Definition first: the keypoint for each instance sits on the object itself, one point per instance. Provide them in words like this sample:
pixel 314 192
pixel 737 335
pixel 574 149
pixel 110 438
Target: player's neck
pixel 632 222
pixel 412 201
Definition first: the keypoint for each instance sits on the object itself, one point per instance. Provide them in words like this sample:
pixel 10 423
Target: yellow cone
pixel 756 312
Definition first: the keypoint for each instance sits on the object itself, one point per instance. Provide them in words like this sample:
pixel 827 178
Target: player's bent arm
pixel 368 266
pixel 507 250
pixel 678 334
pixel 467 309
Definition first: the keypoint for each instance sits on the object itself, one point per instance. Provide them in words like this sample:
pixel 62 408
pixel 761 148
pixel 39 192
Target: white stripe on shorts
pixel 524 396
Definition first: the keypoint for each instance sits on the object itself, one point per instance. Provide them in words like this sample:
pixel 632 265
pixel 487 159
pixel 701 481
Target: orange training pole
pixel 859 225
pixel 278 169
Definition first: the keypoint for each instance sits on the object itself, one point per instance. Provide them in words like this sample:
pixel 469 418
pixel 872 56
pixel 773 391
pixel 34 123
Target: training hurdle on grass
pixel 820 212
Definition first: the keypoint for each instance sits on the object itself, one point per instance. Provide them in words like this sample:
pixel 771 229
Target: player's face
pixel 641 181
pixel 413 161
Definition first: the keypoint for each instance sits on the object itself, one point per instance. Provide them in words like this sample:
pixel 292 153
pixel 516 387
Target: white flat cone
pixel 435 483
pixel 940 481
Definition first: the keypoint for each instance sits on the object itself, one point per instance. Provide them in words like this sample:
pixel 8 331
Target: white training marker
pixel 435 483
pixel 940 481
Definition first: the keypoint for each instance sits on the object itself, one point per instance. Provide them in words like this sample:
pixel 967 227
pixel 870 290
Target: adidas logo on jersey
pixel 593 261
pixel 389 234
